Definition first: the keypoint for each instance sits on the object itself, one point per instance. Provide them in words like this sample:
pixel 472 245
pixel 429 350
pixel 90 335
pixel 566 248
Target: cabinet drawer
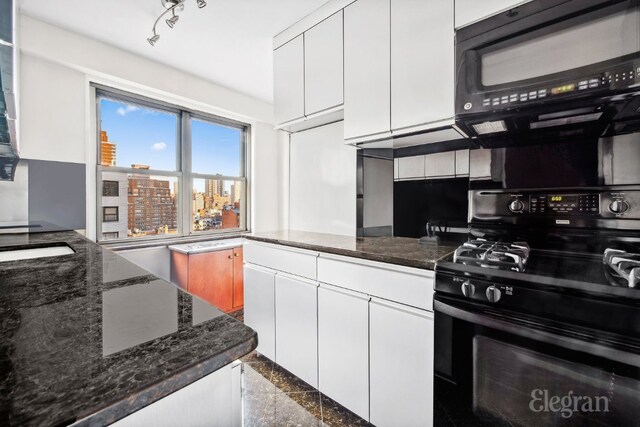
pixel 410 286
pixel 290 260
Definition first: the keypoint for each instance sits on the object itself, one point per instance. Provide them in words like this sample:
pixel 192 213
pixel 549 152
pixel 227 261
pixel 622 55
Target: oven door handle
pixel 519 328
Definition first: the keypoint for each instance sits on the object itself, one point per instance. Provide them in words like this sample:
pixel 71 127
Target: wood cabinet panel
pixel 216 277
pixel 238 279
pixel 211 278
pixel 180 269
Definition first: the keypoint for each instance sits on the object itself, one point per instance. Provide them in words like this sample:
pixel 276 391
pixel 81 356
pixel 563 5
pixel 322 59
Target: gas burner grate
pixel 624 266
pixel 491 254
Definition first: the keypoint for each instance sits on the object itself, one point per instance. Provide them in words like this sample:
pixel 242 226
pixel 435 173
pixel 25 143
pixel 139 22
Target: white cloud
pixel 123 111
pixel 159 146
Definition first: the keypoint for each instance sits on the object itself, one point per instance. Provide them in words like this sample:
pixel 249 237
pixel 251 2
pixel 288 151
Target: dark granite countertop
pixel 394 250
pixel 90 337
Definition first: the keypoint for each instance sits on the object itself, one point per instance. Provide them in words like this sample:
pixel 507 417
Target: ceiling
pixel 229 42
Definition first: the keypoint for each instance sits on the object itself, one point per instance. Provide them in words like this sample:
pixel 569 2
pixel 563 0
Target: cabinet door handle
pixel 236 254
pixel 230 257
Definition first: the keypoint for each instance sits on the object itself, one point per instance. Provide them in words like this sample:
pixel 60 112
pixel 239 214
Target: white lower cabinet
pixel 401 365
pixel 347 330
pixel 297 326
pixel 214 401
pixel 343 347
pixel 259 307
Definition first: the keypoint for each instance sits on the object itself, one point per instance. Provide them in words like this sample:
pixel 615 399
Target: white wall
pixel 265 188
pixel 322 181
pixel 57 115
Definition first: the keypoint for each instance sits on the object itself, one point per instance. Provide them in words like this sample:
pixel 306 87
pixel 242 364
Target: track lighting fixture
pixel 171 6
pixel 172 21
pixel 153 39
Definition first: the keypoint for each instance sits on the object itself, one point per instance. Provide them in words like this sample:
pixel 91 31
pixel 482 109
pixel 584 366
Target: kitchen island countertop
pixel 404 251
pixel 90 338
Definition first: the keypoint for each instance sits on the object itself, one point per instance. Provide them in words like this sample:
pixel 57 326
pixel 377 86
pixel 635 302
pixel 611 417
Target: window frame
pixel 117 188
pixel 117 214
pixel 182 173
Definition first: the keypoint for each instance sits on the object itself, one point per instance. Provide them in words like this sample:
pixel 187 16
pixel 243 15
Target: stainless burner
pixel 623 265
pixel 498 255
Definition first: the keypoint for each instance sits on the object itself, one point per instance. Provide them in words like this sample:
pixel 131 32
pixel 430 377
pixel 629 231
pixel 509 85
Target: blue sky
pixel 148 137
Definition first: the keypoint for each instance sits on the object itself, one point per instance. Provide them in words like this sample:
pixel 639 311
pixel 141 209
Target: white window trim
pixel 183 172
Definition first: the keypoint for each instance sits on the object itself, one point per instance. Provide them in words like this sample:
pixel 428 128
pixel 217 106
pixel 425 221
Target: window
pixel 110 214
pixel 110 188
pixel 174 171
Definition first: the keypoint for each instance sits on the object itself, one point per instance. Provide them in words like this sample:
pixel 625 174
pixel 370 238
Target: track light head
pixel 201 3
pixel 153 39
pixel 172 21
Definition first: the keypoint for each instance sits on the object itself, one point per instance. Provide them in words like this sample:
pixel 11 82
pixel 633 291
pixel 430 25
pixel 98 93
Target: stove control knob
pixel 619 206
pixel 516 206
pixel 493 294
pixel 468 289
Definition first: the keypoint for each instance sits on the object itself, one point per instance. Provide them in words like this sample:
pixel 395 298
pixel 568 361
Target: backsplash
pixel 46 195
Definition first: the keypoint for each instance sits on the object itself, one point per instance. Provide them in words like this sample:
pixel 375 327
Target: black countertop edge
pixel 433 252
pixel 165 387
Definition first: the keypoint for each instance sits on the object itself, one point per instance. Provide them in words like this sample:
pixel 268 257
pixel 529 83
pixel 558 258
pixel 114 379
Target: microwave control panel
pixel 619 78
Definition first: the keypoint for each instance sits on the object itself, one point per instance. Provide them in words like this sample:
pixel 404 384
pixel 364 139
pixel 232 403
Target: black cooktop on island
pixel 90 337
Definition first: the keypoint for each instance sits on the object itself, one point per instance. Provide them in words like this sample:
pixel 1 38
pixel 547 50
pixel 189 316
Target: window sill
pixel 160 242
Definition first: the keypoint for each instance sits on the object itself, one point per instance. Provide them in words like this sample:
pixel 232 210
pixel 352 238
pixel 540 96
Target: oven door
pixel 492 369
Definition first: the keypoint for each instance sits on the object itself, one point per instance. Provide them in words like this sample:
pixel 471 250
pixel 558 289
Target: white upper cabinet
pixel 367 69
pixel 468 11
pixel 323 65
pixel 422 62
pixel 440 165
pixel 288 84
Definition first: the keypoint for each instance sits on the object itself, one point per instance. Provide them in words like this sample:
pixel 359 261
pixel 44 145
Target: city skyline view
pixel 143 138
pixel 148 137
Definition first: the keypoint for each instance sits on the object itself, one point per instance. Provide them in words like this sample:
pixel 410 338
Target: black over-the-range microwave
pixel 551 68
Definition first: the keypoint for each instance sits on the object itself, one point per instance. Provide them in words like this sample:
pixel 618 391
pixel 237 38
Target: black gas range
pixel 542 307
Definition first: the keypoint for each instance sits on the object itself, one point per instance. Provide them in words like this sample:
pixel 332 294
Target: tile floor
pixel 274 397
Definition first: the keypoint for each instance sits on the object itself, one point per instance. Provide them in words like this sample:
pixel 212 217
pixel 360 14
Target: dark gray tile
pixel 258 409
pixel 298 409
pixel 256 378
pixel 255 357
pixel 310 401
pixel 286 382
pixel 336 415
